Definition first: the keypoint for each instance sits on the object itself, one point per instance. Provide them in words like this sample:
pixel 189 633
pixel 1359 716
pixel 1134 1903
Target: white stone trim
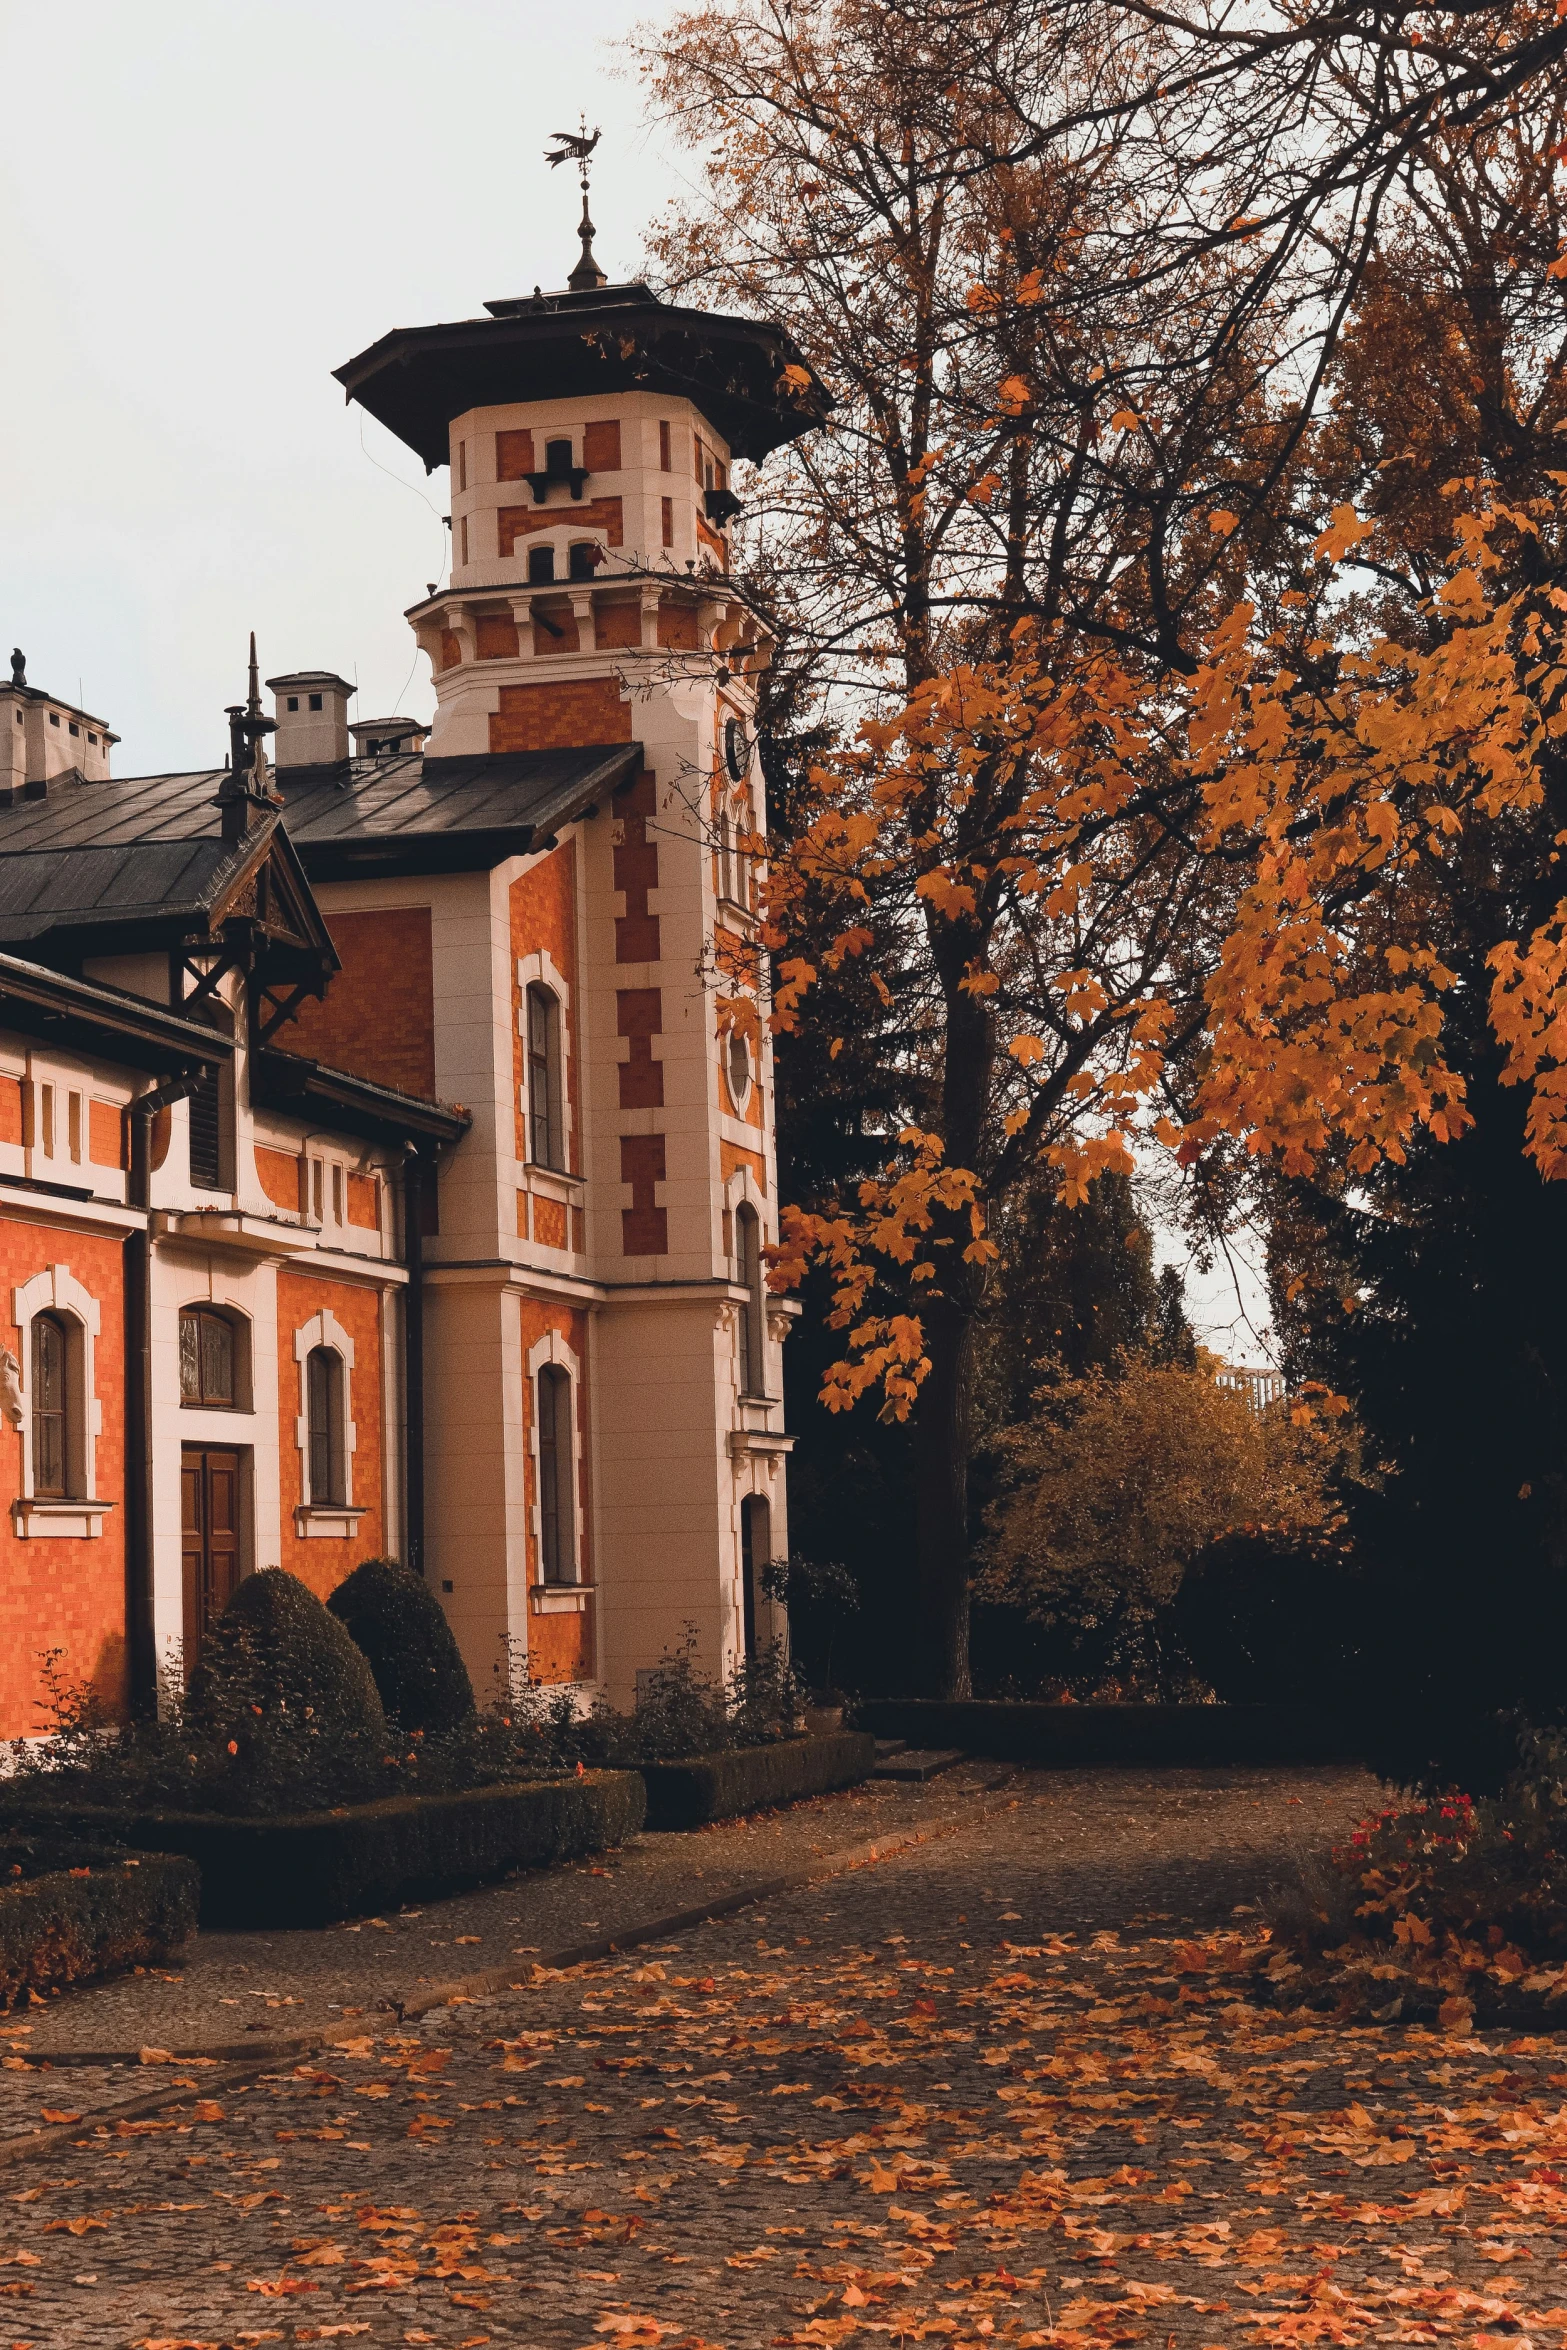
pixel 57 1288
pixel 552 1349
pixel 313 1517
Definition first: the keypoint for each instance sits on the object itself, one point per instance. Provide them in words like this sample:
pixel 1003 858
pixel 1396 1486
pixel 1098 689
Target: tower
pixel 603 1009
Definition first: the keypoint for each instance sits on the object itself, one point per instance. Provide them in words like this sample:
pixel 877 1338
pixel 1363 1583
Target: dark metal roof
pixel 308 1089
pixel 155 840
pixel 81 1014
pixel 747 378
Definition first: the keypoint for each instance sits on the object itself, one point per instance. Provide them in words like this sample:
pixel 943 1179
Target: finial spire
pixel 577 147
pixel 247 789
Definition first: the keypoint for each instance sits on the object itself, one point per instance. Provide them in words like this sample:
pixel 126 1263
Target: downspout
pixel 413 1358
pixel 141 1637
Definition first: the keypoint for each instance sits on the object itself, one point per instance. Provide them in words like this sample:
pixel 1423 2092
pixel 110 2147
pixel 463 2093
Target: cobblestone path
pixel 987 2091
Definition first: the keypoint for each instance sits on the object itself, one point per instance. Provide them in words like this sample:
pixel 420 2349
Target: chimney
pixel 389 738
pixel 311 707
pixel 42 737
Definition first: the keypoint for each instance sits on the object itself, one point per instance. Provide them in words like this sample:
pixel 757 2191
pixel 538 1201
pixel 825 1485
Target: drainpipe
pixel 413 1358
pixel 141 1637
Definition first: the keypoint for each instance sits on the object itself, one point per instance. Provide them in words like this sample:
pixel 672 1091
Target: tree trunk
pixel 939 1653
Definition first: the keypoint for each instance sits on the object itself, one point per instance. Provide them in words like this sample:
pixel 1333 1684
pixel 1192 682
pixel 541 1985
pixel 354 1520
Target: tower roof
pixel 747 378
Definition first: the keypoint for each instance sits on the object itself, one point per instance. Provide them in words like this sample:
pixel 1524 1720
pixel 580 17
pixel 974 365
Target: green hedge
pixel 1073 1736
pixel 749 1778
pixel 70 1910
pixel 321 1866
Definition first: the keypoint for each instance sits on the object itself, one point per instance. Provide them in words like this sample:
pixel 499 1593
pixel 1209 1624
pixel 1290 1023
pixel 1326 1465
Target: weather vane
pixel 577 147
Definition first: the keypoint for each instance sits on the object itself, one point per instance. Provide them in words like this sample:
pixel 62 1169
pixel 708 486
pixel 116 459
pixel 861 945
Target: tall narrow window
pixel 666 458
pixel 557 1527
pixel 50 1407
pixel 208 1353
pixel 668 505
pixel 541 566
pixel 324 1394
pixel 206 1133
pixel 755 1551
pixel 546 1133
pixel 753 1314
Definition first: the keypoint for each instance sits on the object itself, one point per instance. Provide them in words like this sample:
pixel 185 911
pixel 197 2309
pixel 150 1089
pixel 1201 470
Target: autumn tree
pixel 1077 283
pixel 1119 1479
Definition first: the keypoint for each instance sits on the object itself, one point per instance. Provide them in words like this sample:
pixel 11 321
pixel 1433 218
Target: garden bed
pixel 321 1866
pixel 752 1778
pixel 69 1911
pixel 1079 1736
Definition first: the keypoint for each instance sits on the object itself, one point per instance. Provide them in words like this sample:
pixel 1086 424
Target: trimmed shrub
pixel 394 1618
pixel 283 1711
pixel 69 1911
pixel 314 1868
pixel 749 1778
pixel 1074 1736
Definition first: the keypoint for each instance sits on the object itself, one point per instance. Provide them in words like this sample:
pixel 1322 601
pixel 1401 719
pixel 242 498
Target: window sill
pixel 560 1599
pixel 546 1178
pixel 335 1520
pixel 63 1520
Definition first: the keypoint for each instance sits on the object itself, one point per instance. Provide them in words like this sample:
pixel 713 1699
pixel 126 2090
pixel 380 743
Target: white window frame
pixel 539 969
pixel 336 1520
pixel 79 1516
pixel 555 1599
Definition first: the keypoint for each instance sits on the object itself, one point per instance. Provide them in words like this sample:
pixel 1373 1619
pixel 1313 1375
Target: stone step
pixel 917 1762
pixel 886 1746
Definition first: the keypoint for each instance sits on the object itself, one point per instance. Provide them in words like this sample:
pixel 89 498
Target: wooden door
pixel 210 1548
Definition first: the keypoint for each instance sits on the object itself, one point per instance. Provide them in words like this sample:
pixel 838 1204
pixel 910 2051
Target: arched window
pixel 541 566
pixel 211 1359
pixel 324 1416
pixel 52 1431
pixel 753 1314
pixel 557 1517
pixel 546 1126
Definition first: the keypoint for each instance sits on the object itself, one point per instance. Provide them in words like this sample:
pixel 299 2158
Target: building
pixel 386 1155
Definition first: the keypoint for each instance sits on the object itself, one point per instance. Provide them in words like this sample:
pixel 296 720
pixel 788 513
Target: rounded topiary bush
pixel 283 1711
pixel 395 1619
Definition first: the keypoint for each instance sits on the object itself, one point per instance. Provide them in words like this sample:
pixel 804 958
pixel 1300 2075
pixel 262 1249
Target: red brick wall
pixel 520 522
pixel 105 1134
pixel 58 1593
pixel 10 1109
pixel 280 1176
pixel 514 456
pixel 323 1561
pixel 549 1222
pixel 677 626
pixel 559 717
pixel 731 1156
pixel 601 446
pixel 616 625
pixel 560 1648
pixel 639 1014
pixel 379 1015
pixel 364 1202
pixel 497 635
pixel 644 1226
pixel 636 872
pixel 544 920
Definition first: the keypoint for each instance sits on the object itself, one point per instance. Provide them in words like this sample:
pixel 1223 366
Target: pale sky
pixel 207 206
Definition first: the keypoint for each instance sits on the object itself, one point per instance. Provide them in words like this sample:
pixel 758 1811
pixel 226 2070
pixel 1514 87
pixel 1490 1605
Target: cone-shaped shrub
pixel 282 1701
pixel 397 1621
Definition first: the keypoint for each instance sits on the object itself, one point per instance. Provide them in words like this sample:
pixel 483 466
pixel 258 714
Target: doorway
pixel 756 1524
pixel 210 1539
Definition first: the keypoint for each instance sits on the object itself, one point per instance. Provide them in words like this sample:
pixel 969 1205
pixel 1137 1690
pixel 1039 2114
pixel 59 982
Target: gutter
pixel 141 1636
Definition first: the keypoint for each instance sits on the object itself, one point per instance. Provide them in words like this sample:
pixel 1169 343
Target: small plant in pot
pixel 819 1594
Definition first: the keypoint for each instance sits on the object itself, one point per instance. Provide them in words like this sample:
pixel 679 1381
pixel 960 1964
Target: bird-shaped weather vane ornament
pixel 577 147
